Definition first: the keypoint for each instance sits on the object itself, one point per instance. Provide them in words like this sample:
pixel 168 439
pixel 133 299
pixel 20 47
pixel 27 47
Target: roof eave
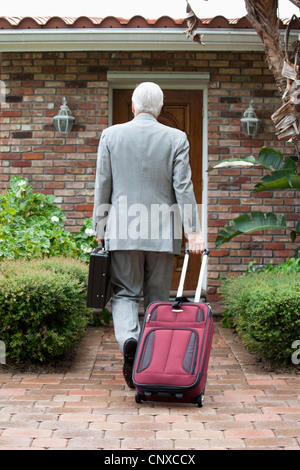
pixel 133 39
pixel 126 40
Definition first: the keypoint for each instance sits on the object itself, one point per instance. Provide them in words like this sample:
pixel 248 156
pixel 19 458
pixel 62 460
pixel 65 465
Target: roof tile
pixel 43 22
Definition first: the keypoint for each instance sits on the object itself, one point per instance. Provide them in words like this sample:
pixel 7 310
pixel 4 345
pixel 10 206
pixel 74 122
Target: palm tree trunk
pixel 262 15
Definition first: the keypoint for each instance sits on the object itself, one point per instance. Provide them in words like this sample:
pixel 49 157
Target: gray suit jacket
pixel 143 189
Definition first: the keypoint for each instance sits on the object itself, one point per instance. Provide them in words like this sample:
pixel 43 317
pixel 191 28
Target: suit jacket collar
pixel 145 116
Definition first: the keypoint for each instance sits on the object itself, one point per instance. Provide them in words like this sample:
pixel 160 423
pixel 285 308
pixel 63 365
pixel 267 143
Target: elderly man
pixel 143 195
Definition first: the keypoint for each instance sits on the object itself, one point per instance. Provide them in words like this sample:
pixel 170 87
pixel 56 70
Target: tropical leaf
pixel 241 162
pixel 289 163
pixel 245 224
pixel 279 180
pixel 283 176
pixel 270 158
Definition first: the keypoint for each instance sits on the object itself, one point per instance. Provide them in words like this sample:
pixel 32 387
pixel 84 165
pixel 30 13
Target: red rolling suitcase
pixel 174 346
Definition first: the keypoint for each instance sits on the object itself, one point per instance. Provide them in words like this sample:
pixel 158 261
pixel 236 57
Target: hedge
pixel 42 307
pixel 265 310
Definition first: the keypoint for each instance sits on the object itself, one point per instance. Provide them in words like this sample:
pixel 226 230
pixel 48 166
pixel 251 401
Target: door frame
pixel 176 81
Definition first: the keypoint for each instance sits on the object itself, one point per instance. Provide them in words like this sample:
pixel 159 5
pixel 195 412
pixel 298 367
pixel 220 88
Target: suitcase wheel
pixel 200 400
pixel 139 397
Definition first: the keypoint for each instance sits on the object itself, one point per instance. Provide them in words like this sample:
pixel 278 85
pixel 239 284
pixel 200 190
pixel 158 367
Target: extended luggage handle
pixel 176 306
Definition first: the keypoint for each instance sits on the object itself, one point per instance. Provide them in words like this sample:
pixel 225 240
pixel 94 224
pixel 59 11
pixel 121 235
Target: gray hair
pixel 148 98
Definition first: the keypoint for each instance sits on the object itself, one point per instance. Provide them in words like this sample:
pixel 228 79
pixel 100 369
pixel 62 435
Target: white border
pixel 171 80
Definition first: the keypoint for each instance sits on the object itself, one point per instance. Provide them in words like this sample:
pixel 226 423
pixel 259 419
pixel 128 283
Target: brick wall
pixel 54 163
pixel 65 165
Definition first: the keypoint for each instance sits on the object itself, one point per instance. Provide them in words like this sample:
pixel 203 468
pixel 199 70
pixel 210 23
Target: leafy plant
pixel 245 224
pixel 32 226
pixel 282 176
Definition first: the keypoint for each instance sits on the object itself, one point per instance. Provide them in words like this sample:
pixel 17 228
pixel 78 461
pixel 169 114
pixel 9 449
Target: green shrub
pixel 32 226
pixel 265 310
pixel 42 307
pixel 290 266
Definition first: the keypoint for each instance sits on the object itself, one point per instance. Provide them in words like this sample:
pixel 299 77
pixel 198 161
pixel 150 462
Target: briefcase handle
pixel 100 248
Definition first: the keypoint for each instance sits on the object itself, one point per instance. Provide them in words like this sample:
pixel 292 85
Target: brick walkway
pixel 90 407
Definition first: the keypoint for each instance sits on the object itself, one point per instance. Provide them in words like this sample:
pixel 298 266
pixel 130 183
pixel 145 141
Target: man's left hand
pixel 196 243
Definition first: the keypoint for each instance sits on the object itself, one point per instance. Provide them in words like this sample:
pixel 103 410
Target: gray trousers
pixel 137 274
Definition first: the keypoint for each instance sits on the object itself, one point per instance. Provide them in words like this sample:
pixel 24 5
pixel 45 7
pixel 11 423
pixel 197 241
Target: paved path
pixel 90 407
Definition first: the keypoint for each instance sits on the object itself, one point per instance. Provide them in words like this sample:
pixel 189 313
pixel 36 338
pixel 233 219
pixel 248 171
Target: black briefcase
pixel 99 282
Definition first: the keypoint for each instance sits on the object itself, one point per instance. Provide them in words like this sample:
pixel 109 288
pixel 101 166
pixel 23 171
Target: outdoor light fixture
pixel 250 121
pixel 64 120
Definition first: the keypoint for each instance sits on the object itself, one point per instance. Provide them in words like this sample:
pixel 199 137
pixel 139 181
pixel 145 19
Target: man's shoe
pixel 129 353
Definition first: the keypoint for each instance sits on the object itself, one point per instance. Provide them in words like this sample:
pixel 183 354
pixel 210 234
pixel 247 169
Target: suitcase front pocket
pixel 168 353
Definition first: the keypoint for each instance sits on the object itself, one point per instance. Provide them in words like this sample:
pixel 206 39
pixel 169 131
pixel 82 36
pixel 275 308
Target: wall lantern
pixel 64 120
pixel 250 121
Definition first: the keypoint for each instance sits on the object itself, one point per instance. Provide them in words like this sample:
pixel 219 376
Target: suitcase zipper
pixel 150 314
pixel 171 328
pixel 154 310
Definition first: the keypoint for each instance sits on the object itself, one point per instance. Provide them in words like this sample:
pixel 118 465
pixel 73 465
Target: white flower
pixel 54 218
pixel 21 189
pixel 89 232
pixel 86 249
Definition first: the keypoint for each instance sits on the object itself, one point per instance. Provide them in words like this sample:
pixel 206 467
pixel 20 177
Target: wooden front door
pixel 182 110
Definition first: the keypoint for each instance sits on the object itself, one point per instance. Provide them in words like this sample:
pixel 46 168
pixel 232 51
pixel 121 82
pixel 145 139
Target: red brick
pixel 65 149
pixel 12 391
pixel 26 432
pixel 9 156
pixel 54 185
pixel 33 156
pixel 86 163
pixel 93 393
pixel 49 443
pixel 21 163
pixel 274 246
pixel 13 113
pixel 84 207
pixel 257 417
pixel 248 433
